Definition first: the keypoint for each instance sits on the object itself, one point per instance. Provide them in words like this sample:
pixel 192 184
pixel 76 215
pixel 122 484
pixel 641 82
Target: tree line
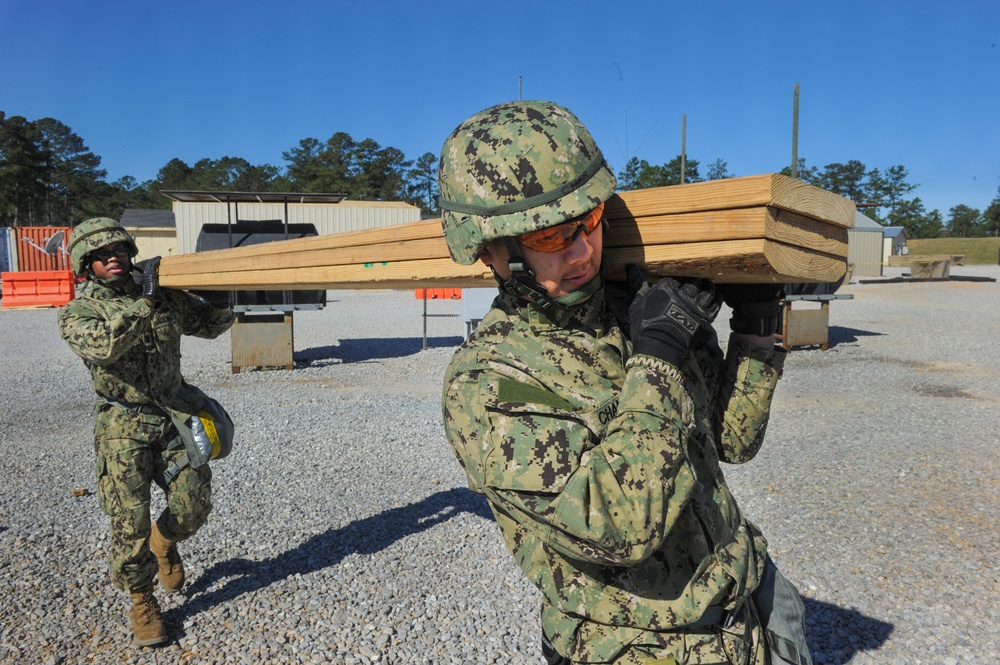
pixel 49 177
pixel 882 195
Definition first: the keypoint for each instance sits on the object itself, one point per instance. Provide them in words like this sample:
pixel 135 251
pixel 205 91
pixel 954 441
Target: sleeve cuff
pixel 773 357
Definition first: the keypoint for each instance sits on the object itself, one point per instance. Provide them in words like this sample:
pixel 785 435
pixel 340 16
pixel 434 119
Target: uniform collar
pixel 124 285
pixel 587 314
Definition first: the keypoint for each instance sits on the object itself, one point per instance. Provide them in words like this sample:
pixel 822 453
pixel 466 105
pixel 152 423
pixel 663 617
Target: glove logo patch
pixel 682 318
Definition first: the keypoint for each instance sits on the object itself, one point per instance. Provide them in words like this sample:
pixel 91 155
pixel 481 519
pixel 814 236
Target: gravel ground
pixel 343 531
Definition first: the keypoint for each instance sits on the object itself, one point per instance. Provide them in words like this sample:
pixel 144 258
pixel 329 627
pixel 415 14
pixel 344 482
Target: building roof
pixel 865 223
pixel 192 196
pixel 896 231
pixel 143 218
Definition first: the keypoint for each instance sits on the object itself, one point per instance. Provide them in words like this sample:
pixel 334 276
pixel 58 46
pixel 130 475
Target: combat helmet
pixel 517 167
pixel 94 234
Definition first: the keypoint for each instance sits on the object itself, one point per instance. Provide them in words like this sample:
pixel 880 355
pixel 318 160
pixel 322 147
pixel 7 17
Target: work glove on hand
pixel 664 319
pixel 220 299
pixel 150 281
pixel 756 307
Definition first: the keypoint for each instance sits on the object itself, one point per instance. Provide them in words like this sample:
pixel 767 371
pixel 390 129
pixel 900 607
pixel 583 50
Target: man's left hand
pixel 756 307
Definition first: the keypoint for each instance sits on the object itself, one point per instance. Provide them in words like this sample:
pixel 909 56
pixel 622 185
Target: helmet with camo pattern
pixel 517 167
pixel 94 234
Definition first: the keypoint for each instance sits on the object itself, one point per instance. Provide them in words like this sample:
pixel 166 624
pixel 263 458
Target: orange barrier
pixel 37 288
pixel 437 294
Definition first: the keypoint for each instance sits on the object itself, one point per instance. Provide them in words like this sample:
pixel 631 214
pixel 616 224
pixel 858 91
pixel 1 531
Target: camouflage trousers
pixel 740 641
pixel 768 629
pixel 131 456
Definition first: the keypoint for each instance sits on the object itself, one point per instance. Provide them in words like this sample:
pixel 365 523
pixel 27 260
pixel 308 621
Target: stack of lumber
pixel 907 259
pixel 753 229
pixel 767 228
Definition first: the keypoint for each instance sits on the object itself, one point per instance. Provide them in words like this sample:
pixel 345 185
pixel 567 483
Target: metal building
pixel 329 213
pixel 895 242
pixel 154 231
pixel 864 247
pixel 263 334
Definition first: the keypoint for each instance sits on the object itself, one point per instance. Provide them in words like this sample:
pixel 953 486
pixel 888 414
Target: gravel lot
pixel 343 531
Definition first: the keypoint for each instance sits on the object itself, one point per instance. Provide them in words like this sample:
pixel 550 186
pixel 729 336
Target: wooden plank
pixel 907 259
pixel 732 261
pixel 794 229
pixel 741 223
pixel 308 253
pixel 381 275
pixel 773 190
pixel 410 233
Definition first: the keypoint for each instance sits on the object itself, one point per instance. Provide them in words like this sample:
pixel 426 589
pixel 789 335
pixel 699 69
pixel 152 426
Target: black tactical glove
pixel 150 281
pixel 665 318
pixel 756 307
pixel 220 299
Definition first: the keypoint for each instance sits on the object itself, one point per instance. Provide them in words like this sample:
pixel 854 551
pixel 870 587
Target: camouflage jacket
pixel 603 470
pixel 133 352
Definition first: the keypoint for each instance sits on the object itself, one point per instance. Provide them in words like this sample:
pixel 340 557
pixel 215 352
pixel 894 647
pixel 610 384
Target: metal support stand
pixel 263 340
pixel 805 327
pixel 425 298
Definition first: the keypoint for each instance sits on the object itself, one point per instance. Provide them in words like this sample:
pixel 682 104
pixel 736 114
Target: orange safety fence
pixel 437 294
pixel 37 288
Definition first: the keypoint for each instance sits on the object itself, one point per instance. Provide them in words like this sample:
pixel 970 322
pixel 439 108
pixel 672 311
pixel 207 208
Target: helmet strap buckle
pixel 522 282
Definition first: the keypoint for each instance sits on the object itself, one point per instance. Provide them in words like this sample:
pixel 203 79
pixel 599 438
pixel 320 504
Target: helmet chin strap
pixel 110 281
pixel 522 282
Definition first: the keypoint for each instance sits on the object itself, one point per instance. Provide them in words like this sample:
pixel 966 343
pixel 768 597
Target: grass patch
pixel 977 251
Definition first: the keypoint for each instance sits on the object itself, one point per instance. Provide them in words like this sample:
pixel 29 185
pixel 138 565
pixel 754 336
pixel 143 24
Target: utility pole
pixel 518 88
pixel 795 134
pixel 684 129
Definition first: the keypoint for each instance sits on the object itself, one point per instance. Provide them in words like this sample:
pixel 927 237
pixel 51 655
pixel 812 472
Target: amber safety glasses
pixel 559 237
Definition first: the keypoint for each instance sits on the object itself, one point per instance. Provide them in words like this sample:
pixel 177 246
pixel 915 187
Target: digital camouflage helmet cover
pixel 517 167
pixel 95 234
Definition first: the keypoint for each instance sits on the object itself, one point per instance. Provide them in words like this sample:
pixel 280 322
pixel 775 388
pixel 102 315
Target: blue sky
pixel 911 83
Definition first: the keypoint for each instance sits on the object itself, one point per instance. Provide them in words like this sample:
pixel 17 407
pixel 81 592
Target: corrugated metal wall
pixel 29 241
pixel 864 250
pixel 333 218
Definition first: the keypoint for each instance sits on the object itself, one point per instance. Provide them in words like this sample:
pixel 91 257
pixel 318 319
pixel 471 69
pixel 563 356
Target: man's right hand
pixel 666 317
pixel 150 281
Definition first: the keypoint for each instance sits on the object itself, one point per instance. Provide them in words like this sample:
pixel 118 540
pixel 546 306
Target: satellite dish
pixel 54 244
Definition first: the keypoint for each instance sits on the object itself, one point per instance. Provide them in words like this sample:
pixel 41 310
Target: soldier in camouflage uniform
pixel 128 334
pixel 594 420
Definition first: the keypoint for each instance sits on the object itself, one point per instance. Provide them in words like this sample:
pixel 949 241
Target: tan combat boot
pixel 147 624
pixel 171 568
